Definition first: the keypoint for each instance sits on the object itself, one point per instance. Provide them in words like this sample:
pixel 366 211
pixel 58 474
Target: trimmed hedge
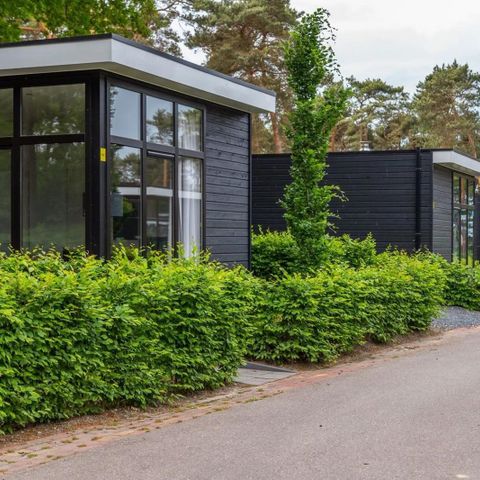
pixel 320 317
pixel 463 285
pixel 81 335
pixel 276 253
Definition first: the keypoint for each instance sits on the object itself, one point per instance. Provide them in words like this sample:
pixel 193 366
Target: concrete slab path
pixel 411 413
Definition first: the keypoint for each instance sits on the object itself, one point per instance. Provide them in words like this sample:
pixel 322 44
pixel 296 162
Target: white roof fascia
pixel 125 58
pixel 456 161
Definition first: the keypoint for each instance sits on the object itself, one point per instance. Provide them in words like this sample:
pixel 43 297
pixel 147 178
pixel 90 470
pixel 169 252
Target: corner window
pixel 125 113
pixel 53 110
pixel 463 218
pixel 156 195
pixel 6 112
pixel 189 128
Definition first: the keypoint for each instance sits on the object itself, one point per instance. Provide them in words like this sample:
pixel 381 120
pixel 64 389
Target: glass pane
pixel 189 128
pixel 159 180
pixel 470 236
pixel 456 188
pixel 53 179
pixel 124 113
pixel 190 203
pixel 54 109
pixel 159 121
pixel 471 192
pixel 5 200
pixel 126 196
pixel 463 190
pixel 6 112
pixel 463 235
pixel 456 234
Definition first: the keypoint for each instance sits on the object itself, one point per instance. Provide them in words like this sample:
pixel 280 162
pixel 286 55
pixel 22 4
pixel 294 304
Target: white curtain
pixel 190 204
pixel 189 128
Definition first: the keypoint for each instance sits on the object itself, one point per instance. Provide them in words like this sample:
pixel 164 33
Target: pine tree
pixel 447 106
pixel 244 38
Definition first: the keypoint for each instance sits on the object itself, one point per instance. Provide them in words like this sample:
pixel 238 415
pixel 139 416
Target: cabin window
pixel 53 109
pixel 156 186
pixel 463 218
pixel 6 112
pixel 5 198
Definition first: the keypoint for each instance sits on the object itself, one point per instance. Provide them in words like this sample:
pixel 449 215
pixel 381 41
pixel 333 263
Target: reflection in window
pixel 124 113
pixel 6 112
pixel 5 205
pixel 53 109
pixel 463 234
pixel 159 121
pixel 189 128
pixel 126 196
pixel 53 181
pixel 190 203
pixel 159 184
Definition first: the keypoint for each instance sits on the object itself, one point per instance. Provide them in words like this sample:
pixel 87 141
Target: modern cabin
pixel 104 142
pixel 408 199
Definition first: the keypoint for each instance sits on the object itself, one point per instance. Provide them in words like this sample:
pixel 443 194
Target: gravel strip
pixel 456 317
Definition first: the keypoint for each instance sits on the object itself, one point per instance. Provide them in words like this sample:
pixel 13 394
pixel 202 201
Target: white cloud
pixel 401 41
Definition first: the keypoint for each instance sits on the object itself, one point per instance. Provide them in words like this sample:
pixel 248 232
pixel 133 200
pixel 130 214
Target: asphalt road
pixel 412 417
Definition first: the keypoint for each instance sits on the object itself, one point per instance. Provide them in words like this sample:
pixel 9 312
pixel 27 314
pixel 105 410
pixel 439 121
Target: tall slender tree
pixel 310 59
pixel 244 38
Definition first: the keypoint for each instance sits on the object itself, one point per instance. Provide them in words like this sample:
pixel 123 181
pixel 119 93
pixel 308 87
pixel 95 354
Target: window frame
pixel 461 207
pixel 17 140
pixel 173 152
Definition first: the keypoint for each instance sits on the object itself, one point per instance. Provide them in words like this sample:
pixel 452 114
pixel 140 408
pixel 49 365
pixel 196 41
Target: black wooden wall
pixel 380 187
pixel 442 211
pixel 227 184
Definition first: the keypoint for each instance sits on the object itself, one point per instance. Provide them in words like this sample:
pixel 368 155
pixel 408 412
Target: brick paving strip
pixel 52 447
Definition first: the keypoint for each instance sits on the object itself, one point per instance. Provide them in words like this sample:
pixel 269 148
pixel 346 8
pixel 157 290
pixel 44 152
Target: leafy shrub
pixel 463 285
pixel 320 317
pixel 275 253
pixel 82 335
pixel 354 252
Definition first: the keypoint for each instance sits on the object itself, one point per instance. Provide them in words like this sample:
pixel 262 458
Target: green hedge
pixel 318 318
pixel 275 253
pixel 463 285
pixel 82 335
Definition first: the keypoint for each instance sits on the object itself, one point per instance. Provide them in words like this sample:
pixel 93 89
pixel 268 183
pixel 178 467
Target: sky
pixel 399 41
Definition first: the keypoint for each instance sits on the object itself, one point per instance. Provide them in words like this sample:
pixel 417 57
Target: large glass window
pixel 159 121
pixel 5 199
pixel 463 218
pixel 53 109
pixel 53 186
pixel 126 196
pixel 6 112
pixel 189 128
pixel 190 203
pixel 156 172
pixel 125 113
pixel 159 181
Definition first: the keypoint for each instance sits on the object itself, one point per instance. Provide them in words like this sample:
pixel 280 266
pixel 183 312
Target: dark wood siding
pixel 442 211
pixel 227 167
pixel 380 188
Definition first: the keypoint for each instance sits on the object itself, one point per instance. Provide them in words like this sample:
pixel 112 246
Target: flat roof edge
pixel 154 51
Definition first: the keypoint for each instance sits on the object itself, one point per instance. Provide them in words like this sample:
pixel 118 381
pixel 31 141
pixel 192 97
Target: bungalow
pixel 104 141
pixel 409 199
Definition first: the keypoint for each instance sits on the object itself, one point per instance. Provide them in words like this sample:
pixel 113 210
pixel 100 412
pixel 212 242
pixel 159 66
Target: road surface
pixel 413 416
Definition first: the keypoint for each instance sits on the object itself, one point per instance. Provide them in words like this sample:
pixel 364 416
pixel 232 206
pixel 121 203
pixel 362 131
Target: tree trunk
pixel 277 139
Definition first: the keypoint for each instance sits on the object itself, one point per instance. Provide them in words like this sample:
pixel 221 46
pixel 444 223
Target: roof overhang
pixel 456 161
pixel 124 57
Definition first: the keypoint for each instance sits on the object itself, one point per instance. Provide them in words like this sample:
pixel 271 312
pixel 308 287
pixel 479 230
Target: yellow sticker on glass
pixel 103 154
